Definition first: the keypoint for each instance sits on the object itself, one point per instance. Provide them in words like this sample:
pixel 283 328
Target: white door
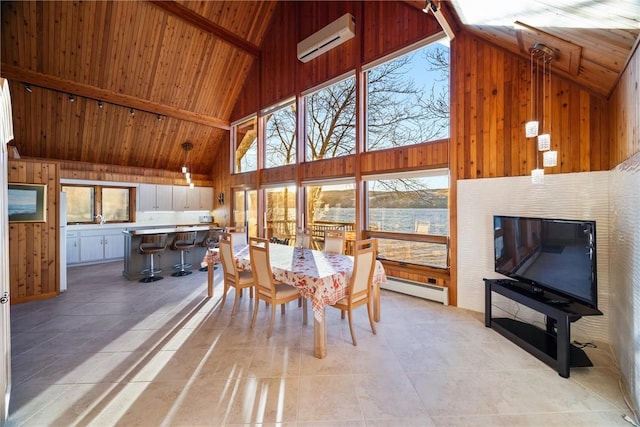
pixel 6 135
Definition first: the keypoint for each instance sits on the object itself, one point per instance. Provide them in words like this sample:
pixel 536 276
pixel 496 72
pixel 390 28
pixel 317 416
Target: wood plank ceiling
pixel 166 73
pixel 170 72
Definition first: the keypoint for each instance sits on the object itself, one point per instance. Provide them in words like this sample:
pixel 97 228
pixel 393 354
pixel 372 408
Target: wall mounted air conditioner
pixel 334 34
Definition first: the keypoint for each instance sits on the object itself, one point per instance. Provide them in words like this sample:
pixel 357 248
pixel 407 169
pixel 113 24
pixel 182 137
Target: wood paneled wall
pixel 625 114
pixel 492 105
pixel 102 172
pixel 33 247
pixel 381 28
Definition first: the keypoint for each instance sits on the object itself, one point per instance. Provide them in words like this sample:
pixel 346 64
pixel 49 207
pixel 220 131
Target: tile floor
pixel 112 352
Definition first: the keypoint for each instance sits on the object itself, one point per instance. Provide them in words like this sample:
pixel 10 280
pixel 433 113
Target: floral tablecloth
pixel 319 276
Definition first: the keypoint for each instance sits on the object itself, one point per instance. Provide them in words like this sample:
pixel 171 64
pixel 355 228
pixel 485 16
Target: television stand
pixel 552 345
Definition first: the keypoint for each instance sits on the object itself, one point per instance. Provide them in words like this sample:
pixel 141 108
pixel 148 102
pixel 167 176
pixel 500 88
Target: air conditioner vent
pixel 334 34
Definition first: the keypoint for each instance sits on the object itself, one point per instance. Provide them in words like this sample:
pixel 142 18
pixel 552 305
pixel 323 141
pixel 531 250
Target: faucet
pixel 101 218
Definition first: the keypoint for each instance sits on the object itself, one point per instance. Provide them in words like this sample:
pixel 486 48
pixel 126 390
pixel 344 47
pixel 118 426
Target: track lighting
pixel 72 98
pixel 100 104
pixel 132 112
pixel 27 87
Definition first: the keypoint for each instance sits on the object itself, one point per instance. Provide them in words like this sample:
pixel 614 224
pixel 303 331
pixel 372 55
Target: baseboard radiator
pixel 417 289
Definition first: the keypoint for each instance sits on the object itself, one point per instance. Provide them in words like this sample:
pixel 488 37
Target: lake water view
pixel 394 220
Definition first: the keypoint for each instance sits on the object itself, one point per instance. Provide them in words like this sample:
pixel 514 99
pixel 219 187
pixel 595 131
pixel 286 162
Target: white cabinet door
pixel 180 198
pixel 73 250
pixel 206 198
pixel 147 198
pixel 91 248
pixel 113 245
pixel 193 199
pixel 155 198
pixel 164 197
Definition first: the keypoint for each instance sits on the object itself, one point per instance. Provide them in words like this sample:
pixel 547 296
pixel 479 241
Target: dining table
pixel 321 277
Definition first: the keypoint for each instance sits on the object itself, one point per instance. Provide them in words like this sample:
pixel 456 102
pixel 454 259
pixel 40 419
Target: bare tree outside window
pixel 280 137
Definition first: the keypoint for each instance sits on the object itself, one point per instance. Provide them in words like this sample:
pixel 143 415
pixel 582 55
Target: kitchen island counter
pixel 135 262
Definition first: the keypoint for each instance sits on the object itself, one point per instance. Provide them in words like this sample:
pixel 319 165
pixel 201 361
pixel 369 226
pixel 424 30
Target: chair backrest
pixel 261 267
pixel 184 239
pixel 239 235
pixel 303 238
pixel 153 242
pixel 226 257
pixel 334 241
pixel 364 262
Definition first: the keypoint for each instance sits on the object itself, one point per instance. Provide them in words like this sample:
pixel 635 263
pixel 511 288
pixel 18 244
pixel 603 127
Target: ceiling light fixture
pixel 27 87
pixel 186 146
pixel 132 112
pixel 541 55
pixel 430 6
pixel 100 104
pixel 72 98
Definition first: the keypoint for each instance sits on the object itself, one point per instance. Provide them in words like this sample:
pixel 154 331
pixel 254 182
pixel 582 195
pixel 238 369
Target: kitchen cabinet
pixel 73 248
pixel 155 197
pixel 101 245
pixel 192 199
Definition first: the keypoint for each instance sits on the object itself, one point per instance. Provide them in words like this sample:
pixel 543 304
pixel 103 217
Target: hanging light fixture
pixel 541 54
pixel 186 146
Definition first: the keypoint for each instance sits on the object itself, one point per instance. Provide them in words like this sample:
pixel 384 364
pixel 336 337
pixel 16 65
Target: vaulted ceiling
pixel 148 76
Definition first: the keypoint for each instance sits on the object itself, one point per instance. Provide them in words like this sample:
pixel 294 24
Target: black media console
pixel 552 345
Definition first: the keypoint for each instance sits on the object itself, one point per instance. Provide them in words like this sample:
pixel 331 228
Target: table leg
pixel 320 336
pixel 376 302
pixel 210 279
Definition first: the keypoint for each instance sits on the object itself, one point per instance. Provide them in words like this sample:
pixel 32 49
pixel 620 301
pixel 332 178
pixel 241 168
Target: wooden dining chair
pixel 239 235
pixel 360 284
pixel 267 289
pixel 233 276
pixel 334 241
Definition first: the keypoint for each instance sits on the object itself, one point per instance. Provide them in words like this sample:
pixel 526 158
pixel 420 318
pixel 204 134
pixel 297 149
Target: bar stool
pixel 210 241
pixel 182 242
pixel 152 244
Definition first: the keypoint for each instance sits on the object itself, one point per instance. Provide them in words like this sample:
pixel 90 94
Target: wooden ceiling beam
pixel 199 21
pixel 87 91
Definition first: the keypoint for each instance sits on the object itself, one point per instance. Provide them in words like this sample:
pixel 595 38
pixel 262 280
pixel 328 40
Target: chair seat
pixel 345 301
pixel 285 291
pixel 245 278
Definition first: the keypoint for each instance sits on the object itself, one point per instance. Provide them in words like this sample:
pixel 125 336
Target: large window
pixel 86 202
pixel 330 205
pixel 408 99
pixel 280 136
pixel 280 211
pixel 246 146
pixel 404 206
pixel 331 121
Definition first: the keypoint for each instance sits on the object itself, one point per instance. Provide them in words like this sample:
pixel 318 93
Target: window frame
pixel 97 200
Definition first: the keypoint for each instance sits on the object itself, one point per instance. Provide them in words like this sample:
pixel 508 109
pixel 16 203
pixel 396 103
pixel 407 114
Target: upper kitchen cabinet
pixel 155 197
pixel 192 199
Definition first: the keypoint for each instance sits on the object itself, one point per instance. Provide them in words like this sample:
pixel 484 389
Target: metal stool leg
pixel 182 265
pixel 152 277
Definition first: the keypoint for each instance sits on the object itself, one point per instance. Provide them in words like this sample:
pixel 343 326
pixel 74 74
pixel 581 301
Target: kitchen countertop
pixel 169 229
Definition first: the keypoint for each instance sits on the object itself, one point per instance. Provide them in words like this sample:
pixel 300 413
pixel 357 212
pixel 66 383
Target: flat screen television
pixel 554 255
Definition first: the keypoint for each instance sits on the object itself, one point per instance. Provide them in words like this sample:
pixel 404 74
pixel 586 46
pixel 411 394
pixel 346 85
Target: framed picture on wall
pixel 27 203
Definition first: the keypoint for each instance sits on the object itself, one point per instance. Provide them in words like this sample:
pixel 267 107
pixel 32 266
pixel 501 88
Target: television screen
pixel 549 254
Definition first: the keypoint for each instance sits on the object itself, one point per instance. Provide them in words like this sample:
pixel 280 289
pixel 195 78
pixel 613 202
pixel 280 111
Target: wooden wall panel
pixel 493 104
pixel 282 75
pixel 625 114
pixel 328 168
pixel 428 155
pixel 33 247
pixel 102 172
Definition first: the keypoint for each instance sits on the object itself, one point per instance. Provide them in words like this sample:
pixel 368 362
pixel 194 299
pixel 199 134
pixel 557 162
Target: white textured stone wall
pixel 624 243
pixel 582 196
